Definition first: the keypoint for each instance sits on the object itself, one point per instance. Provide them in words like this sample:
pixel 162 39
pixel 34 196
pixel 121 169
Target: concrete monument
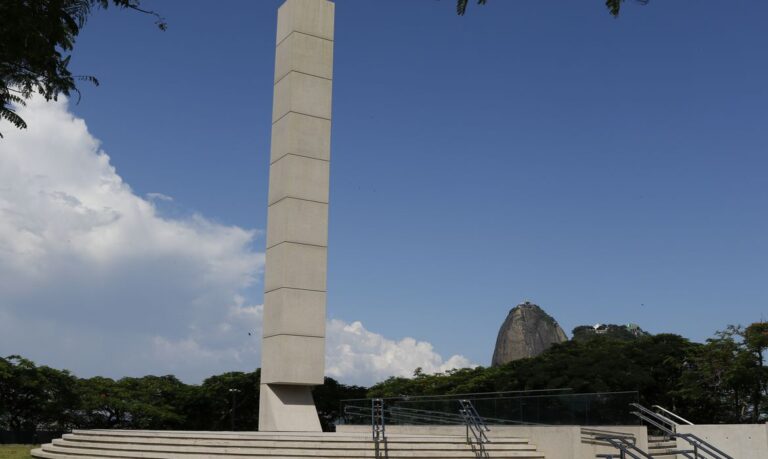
pixel 293 345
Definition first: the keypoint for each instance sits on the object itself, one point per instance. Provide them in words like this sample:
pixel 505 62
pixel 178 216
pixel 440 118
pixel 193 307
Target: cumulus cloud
pixel 92 274
pixel 94 278
pixel 359 356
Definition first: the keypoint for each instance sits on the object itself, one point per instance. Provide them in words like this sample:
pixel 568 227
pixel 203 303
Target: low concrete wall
pixel 555 442
pixel 741 441
pixel 589 447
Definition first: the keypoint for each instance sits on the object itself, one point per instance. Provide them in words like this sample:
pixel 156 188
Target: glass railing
pixel 560 407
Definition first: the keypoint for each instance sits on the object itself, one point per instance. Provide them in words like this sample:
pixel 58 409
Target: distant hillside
pixel 623 332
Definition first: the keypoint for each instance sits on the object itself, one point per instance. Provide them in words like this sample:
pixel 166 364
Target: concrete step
pixel 662 447
pixel 40 453
pixel 261 436
pixel 134 444
pixel 247 440
pixel 656 449
pixel 248 448
pixel 268 452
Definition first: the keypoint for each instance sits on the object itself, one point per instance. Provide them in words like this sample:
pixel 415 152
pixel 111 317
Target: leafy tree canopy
pixel 36 40
pixel 722 380
pixel 614 6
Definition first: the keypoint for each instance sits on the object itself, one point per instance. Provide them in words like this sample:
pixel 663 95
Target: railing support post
pixel 378 426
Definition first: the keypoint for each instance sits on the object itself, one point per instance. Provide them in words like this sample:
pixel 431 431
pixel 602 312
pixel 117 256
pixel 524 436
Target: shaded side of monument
pixel 293 344
pixel 526 332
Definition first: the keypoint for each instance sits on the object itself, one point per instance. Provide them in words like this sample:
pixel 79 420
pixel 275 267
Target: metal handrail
pixel 467 404
pixel 652 422
pixel 672 435
pixel 474 424
pixel 467 412
pixel 396 413
pixel 519 408
pixel 625 447
pixel 659 417
pixel 418 416
pixel 468 395
pixel 699 444
pixel 685 421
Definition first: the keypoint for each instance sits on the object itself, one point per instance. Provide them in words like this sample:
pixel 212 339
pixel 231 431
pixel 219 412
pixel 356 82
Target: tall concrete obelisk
pixel 293 346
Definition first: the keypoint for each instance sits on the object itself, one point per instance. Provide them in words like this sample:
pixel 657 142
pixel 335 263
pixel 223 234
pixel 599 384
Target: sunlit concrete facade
pixel 293 345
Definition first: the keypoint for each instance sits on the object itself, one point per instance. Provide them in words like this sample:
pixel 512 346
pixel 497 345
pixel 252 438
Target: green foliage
pixel 328 397
pixel 620 332
pixel 150 402
pixel 614 6
pixel 213 403
pixel 41 398
pixel 722 380
pixel 35 397
pixel 36 40
pixel 461 6
pixel 727 375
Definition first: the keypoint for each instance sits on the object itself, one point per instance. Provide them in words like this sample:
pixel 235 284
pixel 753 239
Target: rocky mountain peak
pixel 527 332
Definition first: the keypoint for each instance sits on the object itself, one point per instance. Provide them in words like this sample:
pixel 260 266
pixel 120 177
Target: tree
pixel 36 40
pixel 614 6
pixel 33 397
pixel 756 343
pixel 104 404
pixel 328 399
pixel 222 396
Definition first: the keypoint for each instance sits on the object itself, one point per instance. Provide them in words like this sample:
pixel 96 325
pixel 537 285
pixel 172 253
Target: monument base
pixel 287 408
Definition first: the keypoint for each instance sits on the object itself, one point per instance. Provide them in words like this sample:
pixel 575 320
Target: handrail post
pixel 378 426
pixel 466 424
pixel 383 421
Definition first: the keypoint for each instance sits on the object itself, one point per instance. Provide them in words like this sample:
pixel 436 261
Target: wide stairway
pixel 661 446
pixel 143 444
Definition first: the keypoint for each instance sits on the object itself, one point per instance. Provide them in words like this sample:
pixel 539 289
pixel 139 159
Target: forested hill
pixel 722 380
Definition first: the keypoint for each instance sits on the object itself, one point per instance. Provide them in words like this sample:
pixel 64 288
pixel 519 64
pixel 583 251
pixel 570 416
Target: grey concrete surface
pixel 741 441
pixel 293 344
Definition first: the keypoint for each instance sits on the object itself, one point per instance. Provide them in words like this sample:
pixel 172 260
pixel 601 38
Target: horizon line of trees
pixel 41 398
pixel 723 380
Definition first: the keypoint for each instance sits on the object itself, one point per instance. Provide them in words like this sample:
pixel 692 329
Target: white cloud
pixel 356 355
pixel 94 279
pixel 92 275
pixel 159 197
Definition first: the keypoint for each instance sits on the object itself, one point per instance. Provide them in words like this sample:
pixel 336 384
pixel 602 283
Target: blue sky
pixel 610 170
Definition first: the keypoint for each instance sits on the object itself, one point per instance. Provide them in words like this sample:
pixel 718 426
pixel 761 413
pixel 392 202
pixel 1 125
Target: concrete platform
pixel 153 444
